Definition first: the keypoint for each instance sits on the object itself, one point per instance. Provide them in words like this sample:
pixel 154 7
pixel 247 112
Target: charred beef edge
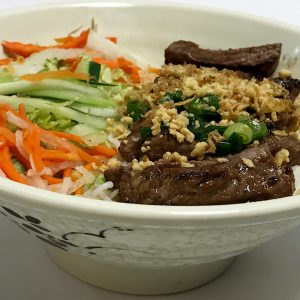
pixel 266 180
pixel 259 60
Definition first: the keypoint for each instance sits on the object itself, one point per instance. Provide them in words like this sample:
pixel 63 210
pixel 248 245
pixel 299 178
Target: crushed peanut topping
pixel 191 83
pixel 200 150
pixel 222 159
pixel 248 162
pixel 274 116
pixel 177 123
pixel 114 163
pixel 126 120
pixel 225 122
pixel 235 91
pixel 281 157
pixel 214 137
pixel 117 129
pixel 176 157
pixel 139 166
pixel 280 132
pixel 162 115
pixel 145 149
pixel 295 135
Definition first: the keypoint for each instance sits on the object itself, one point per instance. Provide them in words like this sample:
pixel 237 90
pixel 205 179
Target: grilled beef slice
pixel 260 60
pixel 276 143
pixel 159 144
pixel 208 183
pixel 290 84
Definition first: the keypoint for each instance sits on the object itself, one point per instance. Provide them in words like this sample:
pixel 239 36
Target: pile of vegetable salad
pixel 54 101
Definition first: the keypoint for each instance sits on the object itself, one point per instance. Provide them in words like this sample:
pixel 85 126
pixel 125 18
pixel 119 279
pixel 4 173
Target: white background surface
pixel 270 272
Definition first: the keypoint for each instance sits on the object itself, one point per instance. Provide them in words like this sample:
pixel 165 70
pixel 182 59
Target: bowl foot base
pixel 139 281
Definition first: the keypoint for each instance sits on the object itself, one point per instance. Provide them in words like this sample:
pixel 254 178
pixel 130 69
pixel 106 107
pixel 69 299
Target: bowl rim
pixel 67 203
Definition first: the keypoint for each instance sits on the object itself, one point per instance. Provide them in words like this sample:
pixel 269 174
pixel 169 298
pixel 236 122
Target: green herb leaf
pixel 176 96
pixel 137 109
pixel 146 132
pixel 242 130
pixel 94 71
pixel 204 107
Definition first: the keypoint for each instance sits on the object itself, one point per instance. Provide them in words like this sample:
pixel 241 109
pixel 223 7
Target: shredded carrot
pixel 112 64
pixel 9 136
pixel 126 65
pixel 89 167
pixel 22 110
pixel 35 145
pixel 130 68
pixel 79 191
pixel 68 136
pixel 68 172
pixel 74 65
pixel 103 150
pixel 135 78
pixel 63 40
pixel 112 39
pixel 121 80
pixel 31 144
pixel 15 49
pixel 3 114
pixel 40 157
pixel 8 168
pixel 15 152
pixel 5 61
pixel 26 144
pixel 55 75
pixel 2 141
pixel 154 70
pixel 8 108
pixel 74 41
pixel 59 155
pixel 51 179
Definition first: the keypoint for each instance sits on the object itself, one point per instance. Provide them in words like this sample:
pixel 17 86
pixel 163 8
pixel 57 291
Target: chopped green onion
pixel 137 109
pixel 223 148
pixel 219 128
pixel 146 132
pixel 197 127
pixel 259 129
pixel 94 71
pixel 242 129
pixel 204 107
pixel 236 140
pixel 176 96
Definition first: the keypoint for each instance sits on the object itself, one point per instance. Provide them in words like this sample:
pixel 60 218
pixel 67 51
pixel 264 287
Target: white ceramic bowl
pixel 144 249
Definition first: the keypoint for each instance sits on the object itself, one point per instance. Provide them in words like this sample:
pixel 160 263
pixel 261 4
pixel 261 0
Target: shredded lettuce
pixel 50 120
pixel 90 135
